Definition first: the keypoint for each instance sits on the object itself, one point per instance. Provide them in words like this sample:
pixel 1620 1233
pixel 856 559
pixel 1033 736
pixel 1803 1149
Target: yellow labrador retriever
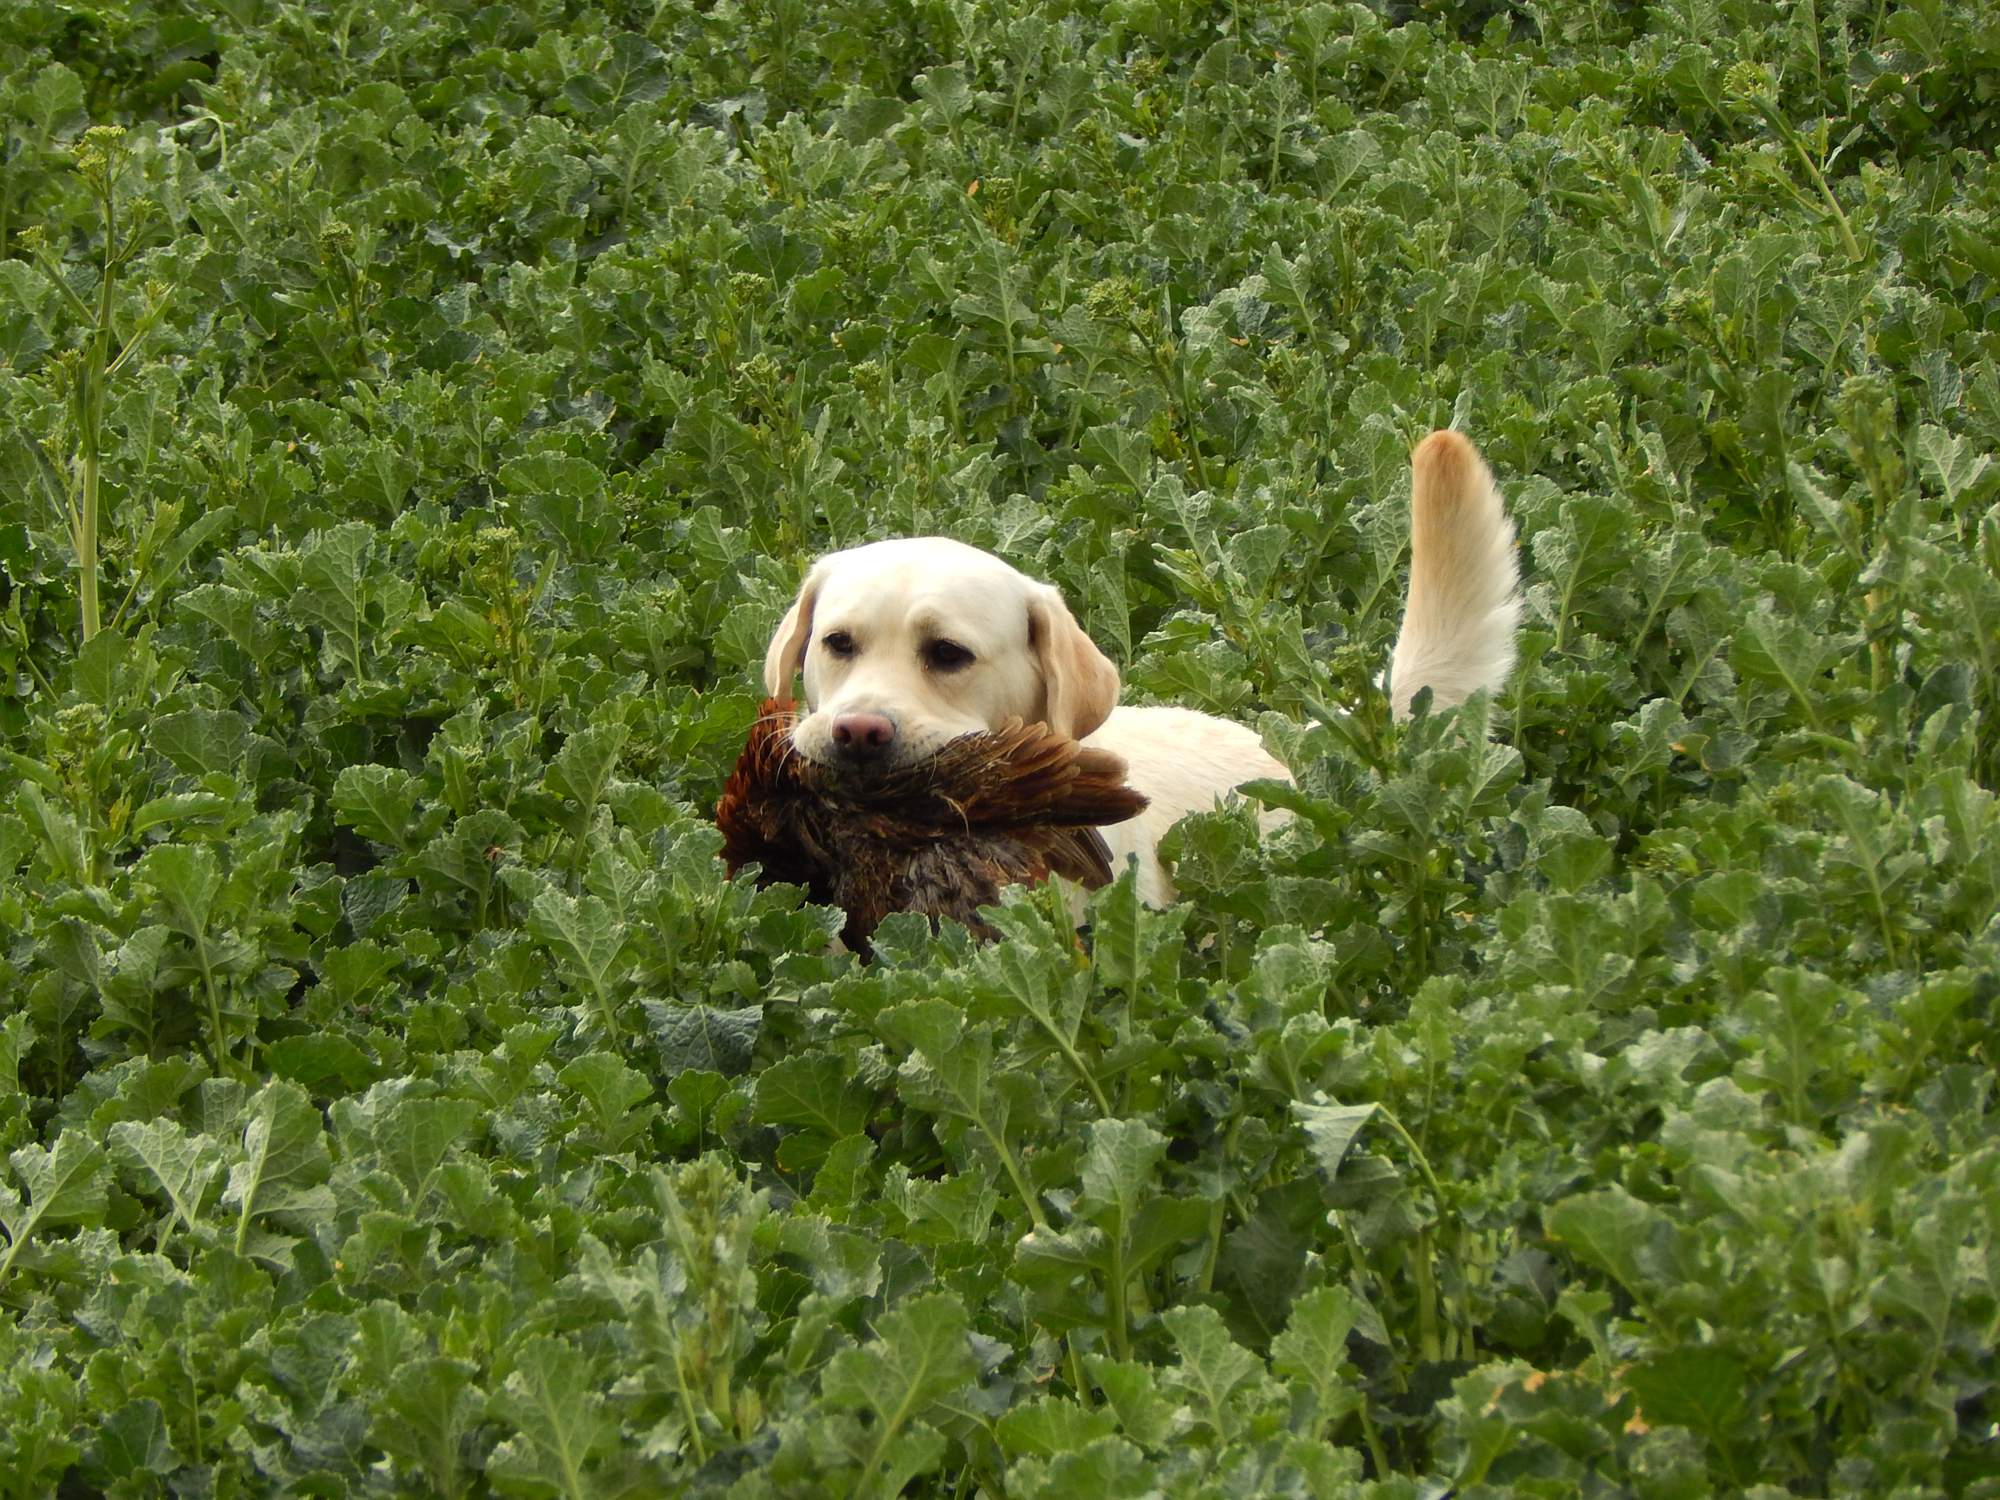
pixel 906 644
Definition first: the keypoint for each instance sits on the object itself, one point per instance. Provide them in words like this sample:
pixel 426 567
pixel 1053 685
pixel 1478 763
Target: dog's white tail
pixel 1464 601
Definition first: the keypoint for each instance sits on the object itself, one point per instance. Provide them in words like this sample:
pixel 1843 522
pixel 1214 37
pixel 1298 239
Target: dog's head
pixel 907 644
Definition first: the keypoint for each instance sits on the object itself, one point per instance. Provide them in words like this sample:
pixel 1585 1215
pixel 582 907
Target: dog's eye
pixel 838 643
pixel 946 656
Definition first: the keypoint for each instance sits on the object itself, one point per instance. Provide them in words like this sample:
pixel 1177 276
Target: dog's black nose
pixel 863 738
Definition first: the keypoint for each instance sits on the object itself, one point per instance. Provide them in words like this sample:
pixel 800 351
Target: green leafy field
pixel 411 426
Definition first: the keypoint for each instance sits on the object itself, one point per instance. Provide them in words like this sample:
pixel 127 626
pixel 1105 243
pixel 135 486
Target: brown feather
pixel 940 837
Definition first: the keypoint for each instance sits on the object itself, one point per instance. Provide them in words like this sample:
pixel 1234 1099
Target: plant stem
pixel 7 1262
pixel 1207 1278
pixel 1083 1072
pixel 605 1009
pixel 890 1431
pixel 1120 1336
pixel 1847 240
pixel 27 656
pixel 1427 1323
pixel 1013 1169
pixel 1426 1281
pixel 1790 135
pixel 217 1041
pixel 1076 1377
pixel 1373 1438
pixel 83 519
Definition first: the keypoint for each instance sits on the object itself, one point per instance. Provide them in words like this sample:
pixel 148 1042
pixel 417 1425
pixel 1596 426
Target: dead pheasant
pixel 941 836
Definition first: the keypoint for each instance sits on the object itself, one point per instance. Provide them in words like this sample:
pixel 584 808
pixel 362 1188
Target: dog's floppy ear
pixel 786 656
pixel 1080 681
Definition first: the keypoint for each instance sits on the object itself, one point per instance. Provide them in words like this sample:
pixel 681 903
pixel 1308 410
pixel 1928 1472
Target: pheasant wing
pixel 1022 776
pixel 1078 854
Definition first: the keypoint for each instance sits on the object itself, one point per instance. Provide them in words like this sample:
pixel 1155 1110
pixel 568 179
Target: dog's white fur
pixel 1464 601
pixel 886 605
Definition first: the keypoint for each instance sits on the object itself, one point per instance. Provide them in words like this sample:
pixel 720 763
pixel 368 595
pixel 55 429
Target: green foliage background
pixel 1589 1093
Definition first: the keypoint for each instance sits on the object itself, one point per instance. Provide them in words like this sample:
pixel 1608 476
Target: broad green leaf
pixel 843 1264
pixel 960 1208
pixel 581 768
pixel 919 1354
pixel 131 1450
pixel 1108 1468
pixel 915 1448
pixel 191 538
pixel 1214 1370
pixel 345 591
pixel 465 857
pixel 56 831
pixel 1331 1130
pixel 38 1413
pixel 201 741
pixel 1058 1256
pixel 325 1063
pixel 812 1090
pixel 54 99
pixel 1723 902
pixel 1911 1038
pixel 62 1185
pixel 1614 1232
pixel 1697 1386
pixel 1132 1390
pixel 176 807
pixel 416 1136
pixel 845 1174
pixel 1953 462
pixel 182 1165
pixel 424 1408
pixel 583 932
pixel 703 1038
pixel 185 879
pixel 1256 556
pixel 1162 1226
pixel 1777 649
pixel 1584 549
pixel 1049 1425
pixel 1313 1349
pixel 1118 1168
pixel 560 1418
pixel 1033 974
pixel 565 496
pixel 377 802
pixel 17 1035
pixel 1126 453
pixel 635 73
pixel 352 971
pixel 950 1069
pixel 613 1089
pixel 283 1164
pixel 238 614
pixel 1800 1039
pixel 1133 946
pixel 1925 1287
